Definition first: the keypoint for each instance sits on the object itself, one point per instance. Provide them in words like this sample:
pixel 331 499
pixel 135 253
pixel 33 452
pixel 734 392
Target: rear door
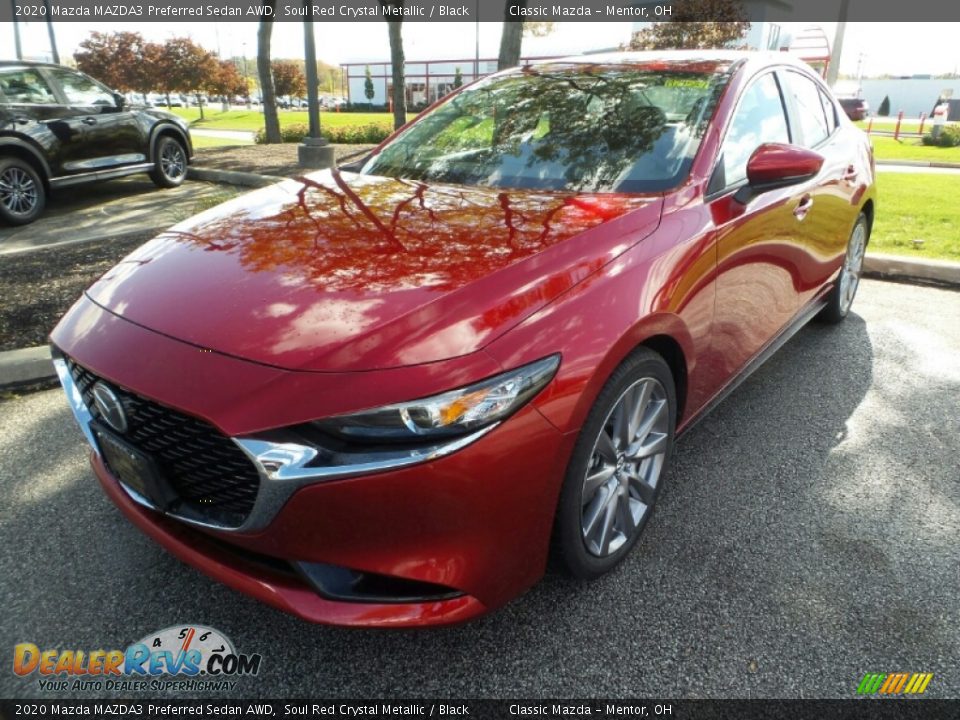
pixel 826 226
pixel 27 104
pixel 101 134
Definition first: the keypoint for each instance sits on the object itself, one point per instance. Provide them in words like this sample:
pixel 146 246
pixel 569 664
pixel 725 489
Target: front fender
pixel 7 141
pixel 169 128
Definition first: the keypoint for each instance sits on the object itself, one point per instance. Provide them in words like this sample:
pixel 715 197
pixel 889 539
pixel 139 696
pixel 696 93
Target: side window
pixel 830 110
pixel 809 106
pixel 83 91
pixel 759 119
pixel 25 87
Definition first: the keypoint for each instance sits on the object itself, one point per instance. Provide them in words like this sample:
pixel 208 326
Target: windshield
pixel 592 129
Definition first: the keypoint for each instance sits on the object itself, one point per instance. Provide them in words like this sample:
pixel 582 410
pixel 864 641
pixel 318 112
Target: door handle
pixel 89 121
pixel 21 120
pixel 806 202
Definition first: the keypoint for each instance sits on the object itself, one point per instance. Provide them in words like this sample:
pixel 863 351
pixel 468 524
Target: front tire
pixel 615 474
pixel 170 166
pixel 841 297
pixel 22 194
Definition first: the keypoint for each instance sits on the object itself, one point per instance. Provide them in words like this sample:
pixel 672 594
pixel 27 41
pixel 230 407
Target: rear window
pixel 597 129
pixel 24 86
pixel 806 96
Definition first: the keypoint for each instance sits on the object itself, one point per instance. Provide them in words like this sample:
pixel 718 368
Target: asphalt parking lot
pixel 128 206
pixel 808 534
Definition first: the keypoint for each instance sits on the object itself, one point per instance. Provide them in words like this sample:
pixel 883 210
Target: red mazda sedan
pixel 384 396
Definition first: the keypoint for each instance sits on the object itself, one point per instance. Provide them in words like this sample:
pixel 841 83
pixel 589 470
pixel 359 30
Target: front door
pixel 758 243
pixel 100 134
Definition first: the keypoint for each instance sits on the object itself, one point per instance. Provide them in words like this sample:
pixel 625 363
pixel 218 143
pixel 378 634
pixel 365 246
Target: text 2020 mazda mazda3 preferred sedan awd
pixel 385 396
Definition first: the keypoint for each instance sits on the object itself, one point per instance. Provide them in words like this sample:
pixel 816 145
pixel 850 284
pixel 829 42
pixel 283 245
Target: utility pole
pixel 16 31
pixel 476 59
pixel 837 50
pixel 314 151
pixel 53 39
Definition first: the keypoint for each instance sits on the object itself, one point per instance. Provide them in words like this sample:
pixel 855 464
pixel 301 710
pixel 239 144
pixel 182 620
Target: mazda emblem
pixel 110 407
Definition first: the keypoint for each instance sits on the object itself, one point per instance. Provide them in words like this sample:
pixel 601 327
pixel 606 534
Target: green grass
pixel 205 142
pixel 886 148
pixel 252 120
pixel 917 206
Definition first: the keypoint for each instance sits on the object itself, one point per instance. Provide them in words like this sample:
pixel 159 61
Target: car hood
pixel 339 271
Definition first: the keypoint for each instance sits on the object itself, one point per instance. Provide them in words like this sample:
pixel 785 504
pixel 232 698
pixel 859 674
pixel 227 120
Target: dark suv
pixel 59 127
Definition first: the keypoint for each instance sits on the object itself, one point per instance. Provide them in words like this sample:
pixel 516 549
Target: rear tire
pixel 170 166
pixel 615 474
pixel 22 194
pixel 845 290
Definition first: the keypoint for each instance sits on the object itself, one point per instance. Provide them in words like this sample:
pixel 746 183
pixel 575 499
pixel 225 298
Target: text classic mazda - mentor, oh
pixel 386 396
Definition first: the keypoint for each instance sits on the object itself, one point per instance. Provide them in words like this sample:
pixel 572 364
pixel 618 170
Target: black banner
pixel 398 708
pixel 470 10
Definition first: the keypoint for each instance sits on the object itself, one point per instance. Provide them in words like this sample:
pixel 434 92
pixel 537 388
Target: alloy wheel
pixel 620 485
pixel 172 160
pixel 852 266
pixel 18 191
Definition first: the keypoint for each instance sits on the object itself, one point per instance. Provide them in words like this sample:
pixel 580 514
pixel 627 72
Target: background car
pixel 59 128
pixel 855 108
pixel 388 396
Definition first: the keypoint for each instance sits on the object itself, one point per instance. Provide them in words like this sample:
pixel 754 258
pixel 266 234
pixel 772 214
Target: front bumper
pixel 477 521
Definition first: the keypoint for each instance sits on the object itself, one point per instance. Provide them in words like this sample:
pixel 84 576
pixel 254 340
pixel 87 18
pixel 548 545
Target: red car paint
pixel 339 292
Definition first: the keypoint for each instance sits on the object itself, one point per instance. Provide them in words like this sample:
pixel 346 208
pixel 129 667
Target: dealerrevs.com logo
pixel 178 658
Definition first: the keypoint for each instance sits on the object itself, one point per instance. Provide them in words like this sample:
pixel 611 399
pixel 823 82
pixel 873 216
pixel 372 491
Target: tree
pixel 288 78
pixel 226 81
pixel 685 29
pixel 329 77
pixel 270 120
pixel 457 78
pixel 114 58
pixel 394 8
pixel 184 67
pixel 884 109
pixel 368 90
pixel 511 38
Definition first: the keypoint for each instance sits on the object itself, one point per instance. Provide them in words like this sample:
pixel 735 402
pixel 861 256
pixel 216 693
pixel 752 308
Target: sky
pixel 878 48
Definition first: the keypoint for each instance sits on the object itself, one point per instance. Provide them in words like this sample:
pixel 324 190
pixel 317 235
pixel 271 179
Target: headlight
pixel 451 413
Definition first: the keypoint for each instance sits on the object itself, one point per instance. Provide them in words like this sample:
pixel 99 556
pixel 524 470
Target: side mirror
pixel 776 165
pixel 120 100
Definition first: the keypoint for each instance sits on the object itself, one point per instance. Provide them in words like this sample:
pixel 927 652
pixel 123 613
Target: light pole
pixel 246 78
pixel 314 151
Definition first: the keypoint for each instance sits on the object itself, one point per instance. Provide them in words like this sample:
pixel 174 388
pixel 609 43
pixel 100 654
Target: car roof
pixel 30 63
pixel 678 59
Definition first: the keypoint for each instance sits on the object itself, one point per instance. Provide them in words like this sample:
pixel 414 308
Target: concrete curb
pixel 906 269
pixel 26 367
pixel 920 163
pixel 233 177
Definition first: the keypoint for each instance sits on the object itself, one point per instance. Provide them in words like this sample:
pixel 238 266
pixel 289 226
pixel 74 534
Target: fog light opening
pixel 340 583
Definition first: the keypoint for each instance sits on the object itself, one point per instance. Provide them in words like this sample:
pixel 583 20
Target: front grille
pixel 212 477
